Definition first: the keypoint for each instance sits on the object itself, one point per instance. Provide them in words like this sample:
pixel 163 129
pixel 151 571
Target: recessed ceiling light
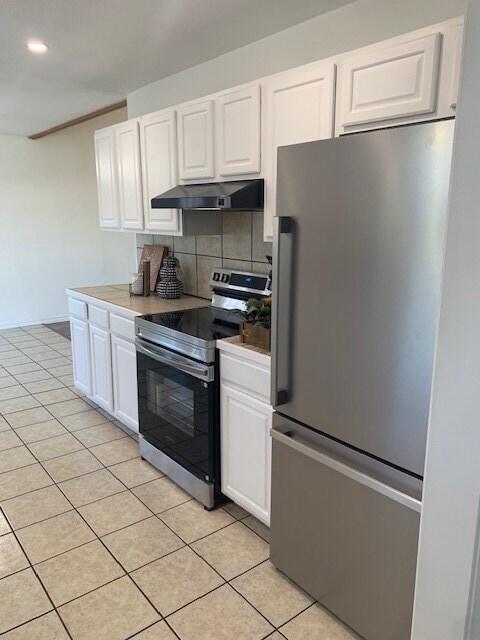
pixel 37 47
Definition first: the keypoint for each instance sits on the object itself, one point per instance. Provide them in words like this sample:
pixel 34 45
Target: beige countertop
pixel 235 342
pixel 118 295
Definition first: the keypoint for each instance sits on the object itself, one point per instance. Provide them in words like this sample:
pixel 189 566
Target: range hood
pixel 240 195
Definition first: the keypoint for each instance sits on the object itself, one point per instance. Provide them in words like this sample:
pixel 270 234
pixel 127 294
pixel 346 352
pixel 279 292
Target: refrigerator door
pixel 347 538
pixel 357 274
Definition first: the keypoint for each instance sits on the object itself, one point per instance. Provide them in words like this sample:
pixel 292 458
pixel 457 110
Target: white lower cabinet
pixel 246 451
pixel 101 362
pixel 104 356
pixel 124 376
pixel 245 423
pixel 81 355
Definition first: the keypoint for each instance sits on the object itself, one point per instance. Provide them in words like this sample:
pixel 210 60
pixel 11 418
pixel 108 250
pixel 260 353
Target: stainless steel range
pixel 178 391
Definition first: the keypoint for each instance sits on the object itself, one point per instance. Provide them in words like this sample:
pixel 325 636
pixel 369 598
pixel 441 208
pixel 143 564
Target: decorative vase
pixel 169 286
pixel 255 335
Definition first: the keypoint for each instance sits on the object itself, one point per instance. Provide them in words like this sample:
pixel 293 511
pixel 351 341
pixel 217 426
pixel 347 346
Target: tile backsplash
pixel 240 247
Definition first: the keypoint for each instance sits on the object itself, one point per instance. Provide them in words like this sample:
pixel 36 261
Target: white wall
pixel 49 232
pixel 452 480
pixel 354 25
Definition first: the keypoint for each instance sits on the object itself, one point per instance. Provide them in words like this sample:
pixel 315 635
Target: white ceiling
pixel 100 50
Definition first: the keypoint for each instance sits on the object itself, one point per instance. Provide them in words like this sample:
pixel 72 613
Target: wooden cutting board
pixel 155 254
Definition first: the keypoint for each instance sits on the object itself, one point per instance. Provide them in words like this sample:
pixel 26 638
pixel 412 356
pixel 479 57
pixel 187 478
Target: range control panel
pixel 221 277
pixel 240 281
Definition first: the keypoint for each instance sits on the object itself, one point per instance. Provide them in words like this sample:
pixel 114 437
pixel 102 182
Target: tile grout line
pixel 151 562
pixel 224 581
pixel 32 567
pixel 57 555
pixel 154 514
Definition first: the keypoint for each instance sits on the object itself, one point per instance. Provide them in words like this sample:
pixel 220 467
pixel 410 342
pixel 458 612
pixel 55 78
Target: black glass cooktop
pixel 199 323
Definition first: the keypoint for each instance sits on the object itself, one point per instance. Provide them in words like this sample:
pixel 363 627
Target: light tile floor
pixel 96 544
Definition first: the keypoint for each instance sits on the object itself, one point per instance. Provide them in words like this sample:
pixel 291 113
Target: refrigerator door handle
pixel 288 438
pixel 282 306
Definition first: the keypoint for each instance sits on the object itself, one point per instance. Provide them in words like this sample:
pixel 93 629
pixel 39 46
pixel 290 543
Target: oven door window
pixel 176 414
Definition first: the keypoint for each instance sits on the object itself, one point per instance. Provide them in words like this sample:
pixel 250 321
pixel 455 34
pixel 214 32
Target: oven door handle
pixel 202 373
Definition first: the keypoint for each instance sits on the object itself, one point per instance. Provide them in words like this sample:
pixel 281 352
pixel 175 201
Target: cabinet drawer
pixel 122 327
pixel 98 316
pixel 249 375
pixel 77 308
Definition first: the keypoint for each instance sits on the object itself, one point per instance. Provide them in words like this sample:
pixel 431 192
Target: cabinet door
pixel 238 131
pixel 195 141
pixel 127 149
pixel 107 179
pixel 101 367
pixel 299 108
pixel 124 375
pixel 159 170
pixel 457 64
pixel 390 82
pixel 81 355
pixel 246 451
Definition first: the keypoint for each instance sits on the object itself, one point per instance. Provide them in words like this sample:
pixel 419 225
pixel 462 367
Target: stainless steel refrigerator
pixel 359 249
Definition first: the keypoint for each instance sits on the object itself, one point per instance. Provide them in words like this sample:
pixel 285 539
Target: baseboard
pixel 34 322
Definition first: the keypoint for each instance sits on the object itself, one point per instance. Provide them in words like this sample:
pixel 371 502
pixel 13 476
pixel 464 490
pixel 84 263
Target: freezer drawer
pixel 347 538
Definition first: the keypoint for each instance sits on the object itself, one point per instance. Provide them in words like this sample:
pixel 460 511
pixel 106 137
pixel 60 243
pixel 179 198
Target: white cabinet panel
pixel 101 360
pixel 298 108
pixel 159 169
pixel 127 148
pixel 253 377
pixel 246 451
pixel 98 316
pixel 107 179
pixel 390 82
pixel 124 371
pixel 122 326
pixel 81 355
pixel 238 131
pixel 457 64
pixel 77 308
pixel 195 141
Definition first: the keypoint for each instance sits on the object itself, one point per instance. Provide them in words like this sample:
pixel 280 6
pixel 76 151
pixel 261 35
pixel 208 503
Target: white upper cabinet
pixel 127 148
pixel 456 63
pixel 107 178
pixel 390 81
pixel 237 129
pixel 195 141
pixel 298 107
pixel 236 133
pixel 158 145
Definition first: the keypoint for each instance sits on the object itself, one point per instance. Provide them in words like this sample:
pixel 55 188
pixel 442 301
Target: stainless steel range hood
pixel 240 195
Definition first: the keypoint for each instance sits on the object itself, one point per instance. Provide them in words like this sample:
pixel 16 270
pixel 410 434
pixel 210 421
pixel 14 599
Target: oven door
pixel 178 418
